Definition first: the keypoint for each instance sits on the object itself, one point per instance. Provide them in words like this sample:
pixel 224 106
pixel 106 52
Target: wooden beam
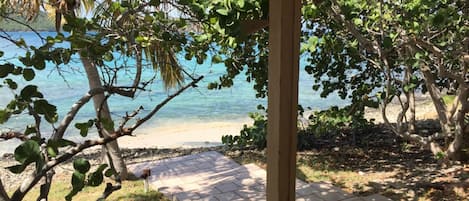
pixel 284 44
pixel 251 26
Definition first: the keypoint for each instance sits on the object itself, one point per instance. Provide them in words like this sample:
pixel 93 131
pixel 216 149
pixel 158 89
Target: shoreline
pixel 189 134
pixel 199 133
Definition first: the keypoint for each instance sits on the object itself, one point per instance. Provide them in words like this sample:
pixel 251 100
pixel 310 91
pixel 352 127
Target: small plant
pixel 333 120
pixel 250 136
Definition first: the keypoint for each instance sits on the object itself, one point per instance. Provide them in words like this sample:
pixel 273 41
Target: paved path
pixel 211 176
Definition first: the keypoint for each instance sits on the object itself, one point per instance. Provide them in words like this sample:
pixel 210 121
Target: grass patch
pixel 131 191
pixel 448 99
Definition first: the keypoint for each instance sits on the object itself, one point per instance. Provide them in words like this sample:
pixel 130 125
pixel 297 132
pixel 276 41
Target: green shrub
pixel 334 120
pixel 328 123
pixel 250 136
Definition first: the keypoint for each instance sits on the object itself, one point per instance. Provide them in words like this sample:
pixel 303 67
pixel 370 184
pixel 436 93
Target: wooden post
pixel 284 44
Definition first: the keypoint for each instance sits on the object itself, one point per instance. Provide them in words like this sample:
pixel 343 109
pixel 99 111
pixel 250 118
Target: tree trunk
pixel 100 104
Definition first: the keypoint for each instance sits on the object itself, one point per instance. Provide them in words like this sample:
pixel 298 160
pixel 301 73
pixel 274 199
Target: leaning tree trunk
pixel 100 104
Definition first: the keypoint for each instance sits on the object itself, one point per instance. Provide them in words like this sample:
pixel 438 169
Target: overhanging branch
pixel 159 106
pixel 60 131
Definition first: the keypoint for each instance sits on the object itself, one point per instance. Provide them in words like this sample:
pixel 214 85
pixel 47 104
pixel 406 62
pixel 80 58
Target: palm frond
pixel 164 61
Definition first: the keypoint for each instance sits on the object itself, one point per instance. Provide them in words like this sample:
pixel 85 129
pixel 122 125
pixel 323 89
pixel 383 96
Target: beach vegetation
pixel 116 27
pixel 373 54
pixel 382 52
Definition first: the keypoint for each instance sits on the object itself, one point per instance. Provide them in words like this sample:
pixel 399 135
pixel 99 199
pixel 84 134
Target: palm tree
pixel 160 56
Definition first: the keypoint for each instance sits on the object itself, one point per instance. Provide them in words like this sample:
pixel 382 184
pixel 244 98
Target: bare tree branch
pixel 37 120
pixel 60 131
pixel 3 193
pixel 13 135
pixel 159 106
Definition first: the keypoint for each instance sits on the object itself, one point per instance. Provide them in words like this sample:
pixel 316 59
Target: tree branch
pixel 434 94
pixel 363 41
pixel 3 193
pixel 35 177
pixel 60 131
pixel 37 120
pixel 159 106
pixel 13 135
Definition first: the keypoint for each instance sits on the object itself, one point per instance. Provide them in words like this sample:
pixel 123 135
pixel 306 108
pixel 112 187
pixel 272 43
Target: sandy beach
pixel 191 134
pixel 184 134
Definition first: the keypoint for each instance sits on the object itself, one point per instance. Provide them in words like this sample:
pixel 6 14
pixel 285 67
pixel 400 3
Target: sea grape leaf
pixel 95 178
pixel 78 182
pixel 4 116
pixel 28 74
pixel 29 92
pixel 6 69
pixel 12 84
pixel 81 165
pixel 17 169
pixel 49 111
pixel 84 127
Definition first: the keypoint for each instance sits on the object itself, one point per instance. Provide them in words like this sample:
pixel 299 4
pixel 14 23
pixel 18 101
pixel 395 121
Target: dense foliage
pixel 330 123
pixel 375 52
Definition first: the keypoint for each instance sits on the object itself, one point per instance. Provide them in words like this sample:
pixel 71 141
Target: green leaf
pixel 16 169
pixel 28 74
pixel 30 129
pixel 107 124
pixel 387 42
pixel 12 84
pixel 240 3
pixel 28 152
pixel 64 143
pixel 52 151
pixel 78 182
pixel 29 92
pixel 38 62
pixel 81 165
pixel 358 21
pixel 155 2
pixel 4 116
pixel 108 57
pixel 1 53
pixel 217 59
pixel 49 111
pixel 222 11
pixel 95 178
pixel 418 55
pixel 101 168
pixel 84 127
pixel 110 172
pixel 6 69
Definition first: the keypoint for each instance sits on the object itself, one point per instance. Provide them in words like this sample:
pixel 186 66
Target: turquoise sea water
pixel 62 88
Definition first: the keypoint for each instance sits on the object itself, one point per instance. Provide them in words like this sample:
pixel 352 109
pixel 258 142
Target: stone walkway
pixel 211 176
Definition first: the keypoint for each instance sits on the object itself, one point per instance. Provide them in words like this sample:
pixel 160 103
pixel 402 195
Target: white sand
pixel 202 134
pixel 184 134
